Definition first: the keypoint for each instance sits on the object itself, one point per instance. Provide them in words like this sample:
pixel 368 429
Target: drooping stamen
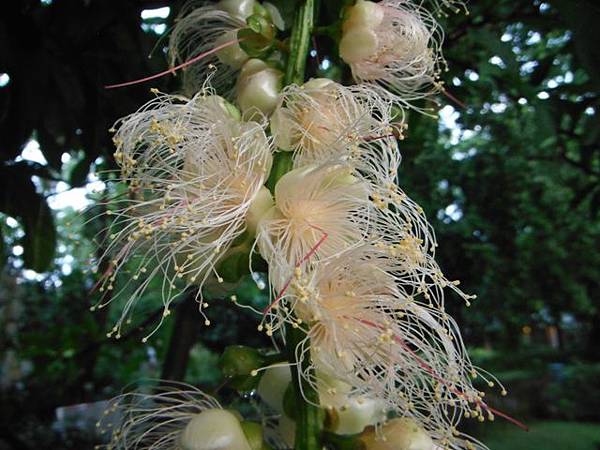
pixel 441 380
pixel 172 70
pixel 305 258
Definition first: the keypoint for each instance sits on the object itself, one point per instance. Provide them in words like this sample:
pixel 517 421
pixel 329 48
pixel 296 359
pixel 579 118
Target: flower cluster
pixel 395 46
pixel 351 258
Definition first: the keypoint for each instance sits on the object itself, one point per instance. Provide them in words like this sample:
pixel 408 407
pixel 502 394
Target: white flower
pixel 195 174
pixel 176 417
pixel 324 121
pixel 319 212
pixel 394 46
pixel 365 331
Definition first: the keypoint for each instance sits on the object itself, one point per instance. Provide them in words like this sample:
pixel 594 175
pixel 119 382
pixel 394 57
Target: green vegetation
pixel 543 436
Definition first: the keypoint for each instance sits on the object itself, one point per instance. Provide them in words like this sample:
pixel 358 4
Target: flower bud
pixel 354 414
pixel 239 360
pixel 272 386
pixel 359 39
pixel 363 14
pixel 400 434
pixel 358 44
pixel 275 15
pixel 258 37
pixel 347 414
pixel 254 434
pixel 393 44
pixel 232 55
pixel 214 428
pixel 259 206
pixel 258 87
pixel 238 8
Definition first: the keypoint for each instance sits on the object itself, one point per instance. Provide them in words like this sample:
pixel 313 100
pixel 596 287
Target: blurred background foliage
pixel 509 176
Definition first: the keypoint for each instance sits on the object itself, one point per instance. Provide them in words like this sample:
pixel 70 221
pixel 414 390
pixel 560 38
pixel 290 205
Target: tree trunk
pixel 183 338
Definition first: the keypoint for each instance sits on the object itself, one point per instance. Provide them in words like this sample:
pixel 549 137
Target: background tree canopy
pixel 509 176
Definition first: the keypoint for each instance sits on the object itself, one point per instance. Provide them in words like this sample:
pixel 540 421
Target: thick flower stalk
pixel 195 174
pixel 395 47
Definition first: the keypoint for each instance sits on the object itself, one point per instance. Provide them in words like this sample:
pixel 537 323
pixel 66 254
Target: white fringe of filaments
pixel 153 421
pixel 365 331
pixel 408 61
pixel 326 121
pixel 193 171
pixel 200 28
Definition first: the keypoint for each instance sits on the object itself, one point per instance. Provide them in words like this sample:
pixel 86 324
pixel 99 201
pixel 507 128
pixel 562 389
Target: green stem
pixel 309 418
pixel 300 43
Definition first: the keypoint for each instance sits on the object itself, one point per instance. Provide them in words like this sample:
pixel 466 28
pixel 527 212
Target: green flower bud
pixel 254 434
pixel 258 38
pixel 239 360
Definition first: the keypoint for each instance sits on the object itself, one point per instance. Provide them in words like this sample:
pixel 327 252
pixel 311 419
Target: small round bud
pixel 358 44
pixel 272 386
pixel 403 433
pixel 214 428
pixel 363 14
pixel 239 360
pixel 258 87
pixel 262 203
pixel 258 38
pixel 232 55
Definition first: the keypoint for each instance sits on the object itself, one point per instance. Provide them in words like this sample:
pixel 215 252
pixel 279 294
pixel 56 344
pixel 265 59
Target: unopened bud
pixel 258 87
pixel 262 203
pixel 214 428
pixel 232 55
pixel 401 434
pixel 273 385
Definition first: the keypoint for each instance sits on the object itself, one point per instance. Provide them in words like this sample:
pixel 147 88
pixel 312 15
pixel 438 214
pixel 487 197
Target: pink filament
pixel 173 69
pixel 454 390
pixel 305 258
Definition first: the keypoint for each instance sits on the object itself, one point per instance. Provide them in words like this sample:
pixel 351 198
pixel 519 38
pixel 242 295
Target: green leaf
pixel 583 17
pixel 504 50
